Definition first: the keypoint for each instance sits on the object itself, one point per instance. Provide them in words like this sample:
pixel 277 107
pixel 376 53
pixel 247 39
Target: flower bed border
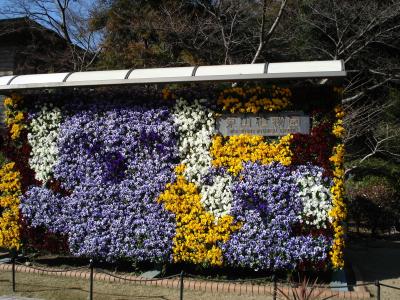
pixel 360 292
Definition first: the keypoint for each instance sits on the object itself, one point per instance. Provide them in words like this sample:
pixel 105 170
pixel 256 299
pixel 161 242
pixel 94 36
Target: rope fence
pixel 255 280
pixel 182 276
pixel 136 280
pixel 390 286
pixel 50 270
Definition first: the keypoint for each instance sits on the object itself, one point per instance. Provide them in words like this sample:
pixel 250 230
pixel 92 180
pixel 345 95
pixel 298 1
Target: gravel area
pixel 55 288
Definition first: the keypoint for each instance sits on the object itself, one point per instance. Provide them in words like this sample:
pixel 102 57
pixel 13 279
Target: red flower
pixel 315 148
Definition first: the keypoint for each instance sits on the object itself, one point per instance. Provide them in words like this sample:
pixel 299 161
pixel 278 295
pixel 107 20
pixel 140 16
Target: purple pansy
pixel 265 200
pixel 115 161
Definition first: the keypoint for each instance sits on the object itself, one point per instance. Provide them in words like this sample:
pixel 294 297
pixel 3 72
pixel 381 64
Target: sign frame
pixel 272 124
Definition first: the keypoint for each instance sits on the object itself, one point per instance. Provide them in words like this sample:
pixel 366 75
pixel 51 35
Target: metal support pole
pixel 13 271
pixel 181 286
pixel 91 280
pixel 378 290
pixel 274 293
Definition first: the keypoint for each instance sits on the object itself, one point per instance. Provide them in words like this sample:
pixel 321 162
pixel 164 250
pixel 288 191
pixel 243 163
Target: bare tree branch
pixel 364 92
pixel 60 16
pixel 265 39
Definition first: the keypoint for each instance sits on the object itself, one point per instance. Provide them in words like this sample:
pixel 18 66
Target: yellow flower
pixel 16 131
pixel 253 100
pixel 10 191
pixel 236 150
pixel 338 129
pixel 8 102
pixel 167 94
pixel 14 117
pixel 338 90
pixel 338 213
pixel 19 116
pixel 198 233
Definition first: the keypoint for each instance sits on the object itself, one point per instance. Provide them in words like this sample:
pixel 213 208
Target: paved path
pixel 378 260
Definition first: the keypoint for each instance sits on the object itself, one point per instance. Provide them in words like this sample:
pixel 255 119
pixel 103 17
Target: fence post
pixel 181 286
pixel 13 270
pixel 274 292
pixel 378 290
pixel 91 280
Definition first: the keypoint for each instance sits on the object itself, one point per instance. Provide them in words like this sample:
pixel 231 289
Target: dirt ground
pixel 374 260
pixel 56 288
pixel 377 260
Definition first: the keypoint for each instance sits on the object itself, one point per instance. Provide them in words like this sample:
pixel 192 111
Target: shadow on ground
pixel 375 259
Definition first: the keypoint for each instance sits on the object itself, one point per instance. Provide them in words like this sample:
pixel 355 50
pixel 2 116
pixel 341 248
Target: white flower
pixel 317 201
pixel 196 127
pixel 217 198
pixel 42 136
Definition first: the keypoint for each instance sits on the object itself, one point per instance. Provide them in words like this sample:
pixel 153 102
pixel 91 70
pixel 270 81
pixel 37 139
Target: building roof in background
pixel 11 27
pixel 27 46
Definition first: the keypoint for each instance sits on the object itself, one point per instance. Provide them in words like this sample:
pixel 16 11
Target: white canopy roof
pixel 263 71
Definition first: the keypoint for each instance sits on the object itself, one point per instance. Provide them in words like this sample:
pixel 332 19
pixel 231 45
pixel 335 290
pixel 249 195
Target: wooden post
pixel 13 270
pixel 378 290
pixel 181 286
pixel 91 280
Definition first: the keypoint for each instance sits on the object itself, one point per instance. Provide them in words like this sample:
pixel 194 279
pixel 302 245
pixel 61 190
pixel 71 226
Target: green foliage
pixel 382 134
pixel 378 167
pixel 136 32
pixel 3 159
pixel 389 126
pixel 392 113
pixel 373 195
pixel 176 33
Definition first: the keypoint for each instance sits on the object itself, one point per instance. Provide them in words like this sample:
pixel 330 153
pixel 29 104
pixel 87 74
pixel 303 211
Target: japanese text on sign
pixel 268 125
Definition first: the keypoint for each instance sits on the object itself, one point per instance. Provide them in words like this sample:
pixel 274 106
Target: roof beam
pixel 220 73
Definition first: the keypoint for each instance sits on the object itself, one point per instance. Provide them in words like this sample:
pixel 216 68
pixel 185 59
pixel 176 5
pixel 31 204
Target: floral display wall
pixel 145 176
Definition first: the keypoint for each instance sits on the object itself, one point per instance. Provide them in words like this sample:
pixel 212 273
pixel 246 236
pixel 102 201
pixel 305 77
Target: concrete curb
pixel 191 284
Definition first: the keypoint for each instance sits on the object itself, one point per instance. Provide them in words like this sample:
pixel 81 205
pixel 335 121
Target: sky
pixel 19 8
pixel 82 6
